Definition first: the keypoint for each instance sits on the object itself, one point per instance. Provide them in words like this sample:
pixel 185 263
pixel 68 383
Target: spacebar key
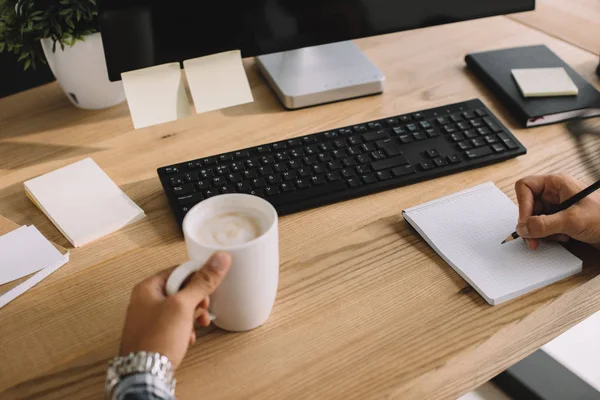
pixel 314 191
pixel 389 163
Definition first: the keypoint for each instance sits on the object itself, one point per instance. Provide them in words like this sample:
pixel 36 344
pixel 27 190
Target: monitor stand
pixel 320 74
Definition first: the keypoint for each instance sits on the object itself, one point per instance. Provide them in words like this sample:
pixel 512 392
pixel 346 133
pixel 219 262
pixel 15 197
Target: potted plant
pixel 64 34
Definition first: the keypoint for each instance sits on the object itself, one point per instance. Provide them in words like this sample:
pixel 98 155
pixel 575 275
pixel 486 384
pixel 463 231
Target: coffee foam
pixel 230 228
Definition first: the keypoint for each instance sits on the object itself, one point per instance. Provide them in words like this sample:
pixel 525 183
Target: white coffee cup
pixel 245 297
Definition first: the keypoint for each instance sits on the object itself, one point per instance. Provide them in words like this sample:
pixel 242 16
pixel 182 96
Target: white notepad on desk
pixel 466 229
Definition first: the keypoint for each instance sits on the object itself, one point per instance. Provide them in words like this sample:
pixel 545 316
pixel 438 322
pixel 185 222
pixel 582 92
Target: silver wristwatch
pixel 141 362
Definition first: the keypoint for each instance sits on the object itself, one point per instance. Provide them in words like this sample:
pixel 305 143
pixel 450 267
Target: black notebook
pixel 494 69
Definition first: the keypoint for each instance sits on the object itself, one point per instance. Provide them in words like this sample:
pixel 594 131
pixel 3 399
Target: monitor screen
pixel 142 33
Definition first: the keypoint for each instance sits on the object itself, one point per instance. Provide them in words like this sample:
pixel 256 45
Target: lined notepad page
pixel 466 229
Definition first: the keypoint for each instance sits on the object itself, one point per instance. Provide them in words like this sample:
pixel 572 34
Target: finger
pixel 527 189
pixel 199 311
pixel 154 287
pixel 206 280
pixel 205 303
pixel 192 337
pixel 203 320
pixel 561 237
pixel 542 226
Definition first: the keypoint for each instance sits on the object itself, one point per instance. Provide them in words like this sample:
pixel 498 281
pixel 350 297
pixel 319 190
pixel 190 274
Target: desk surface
pixel 365 308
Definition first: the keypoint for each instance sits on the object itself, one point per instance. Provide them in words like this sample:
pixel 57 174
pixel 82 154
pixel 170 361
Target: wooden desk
pixel 365 308
pixel 574 21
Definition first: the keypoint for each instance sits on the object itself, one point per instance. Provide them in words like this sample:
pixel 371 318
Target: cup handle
pixel 180 274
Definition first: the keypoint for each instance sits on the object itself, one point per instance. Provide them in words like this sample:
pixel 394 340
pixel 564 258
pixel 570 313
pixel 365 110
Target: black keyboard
pixel 340 164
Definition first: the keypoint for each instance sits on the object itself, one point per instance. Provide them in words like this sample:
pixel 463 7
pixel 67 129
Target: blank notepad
pixel 82 201
pixel 467 228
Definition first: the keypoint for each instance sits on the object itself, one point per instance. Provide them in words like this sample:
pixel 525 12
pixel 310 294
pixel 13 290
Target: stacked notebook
pixel 82 201
pixel 26 257
pixel 467 228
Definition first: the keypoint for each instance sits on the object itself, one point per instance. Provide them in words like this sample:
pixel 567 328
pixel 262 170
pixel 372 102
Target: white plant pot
pixel 81 72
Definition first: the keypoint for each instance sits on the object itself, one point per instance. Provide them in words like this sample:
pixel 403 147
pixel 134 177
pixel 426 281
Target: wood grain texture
pixel 365 309
pixel 574 21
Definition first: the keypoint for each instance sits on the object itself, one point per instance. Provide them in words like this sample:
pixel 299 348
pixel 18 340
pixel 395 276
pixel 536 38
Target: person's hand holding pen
pixel 539 195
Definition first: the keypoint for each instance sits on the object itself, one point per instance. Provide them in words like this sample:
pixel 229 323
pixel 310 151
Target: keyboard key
pixel 205 173
pixel 383 175
pixel 454 159
pixel 399 130
pixel 184 210
pixel 227 189
pixel 492 124
pixel 333 176
pixel 190 199
pixel 353 182
pixel 377 155
pixel 272 179
pixel 374 125
pixel 354 150
pixel 304 172
pixel 481 112
pixel 309 193
pixel 463 125
pixel 508 142
pixel 203 185
pixel 303 183
pixel 225 157
pixel 345 131
pixel 294 143
pixel 363 158
pixel 194 164
pixel 267 160
pixel 236 167
pixel 252 163
pixel 184 189
pixel 354 140
pixel 257 192
pixel 440 162
pixel 498 147
pixel 176 182
pixel 418 116
pixel 456 117
pixel 279 146
pixel 491 139
pixel 271 190
pixel 339 154
pixel 243 187
pixel 191 177
pixel 402 171
pixel 234 178
pixel 442 121
pixel 432 133
pixel 340 143
pixel 425 124
pixel 457 137
pixel 295 164
pixel 470 133
pixel 250 174
pixel 311 160
pixel 290 175
pixel 368 147
pixel 363 169
pixel 465 145
pixel 468 115
pixel 171 170
pixel 420 135
pixel 412 127
pixel 319 169
pixel 479 152
pixel 389 163
pixel 331 135
pixel 242 154
pixel 266 170
pixel 406 139
pixel 359 128
pixel 324 157
pixel 334 165
pixel 209 160
pixel 219 181
pixel 325 147
pixel 283 156
pixel 280 167
pixel 369 178
pixel 433 153
pixel 450 129
pixel 312 149
pixel 392 121
pixel 349 162
pixel 309 139
pixel 484 131
pixel 210 193
pixel 390 146
pixel 377 135
pixel 318 179
pixel 476 123
pixel 426 165
pixel 287 187
pixel 478 142
pixel 222 170
pixel 296 153
pixel 264 149
pixel 258 183
pixel 405 118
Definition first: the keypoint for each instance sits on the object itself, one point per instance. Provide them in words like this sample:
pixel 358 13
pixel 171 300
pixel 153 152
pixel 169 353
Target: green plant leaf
pixel 66 11
pixel 27 64
pixel 23 56
pixel 2 45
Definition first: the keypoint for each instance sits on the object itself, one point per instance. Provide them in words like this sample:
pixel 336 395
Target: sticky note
pixel 218 81
pixel 542 82
pixel 156 95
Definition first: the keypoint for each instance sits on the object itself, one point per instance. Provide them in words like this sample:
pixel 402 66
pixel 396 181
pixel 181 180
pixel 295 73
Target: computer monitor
pixel 142 33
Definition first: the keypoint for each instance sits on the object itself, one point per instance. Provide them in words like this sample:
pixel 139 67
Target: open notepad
pixel 466 229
